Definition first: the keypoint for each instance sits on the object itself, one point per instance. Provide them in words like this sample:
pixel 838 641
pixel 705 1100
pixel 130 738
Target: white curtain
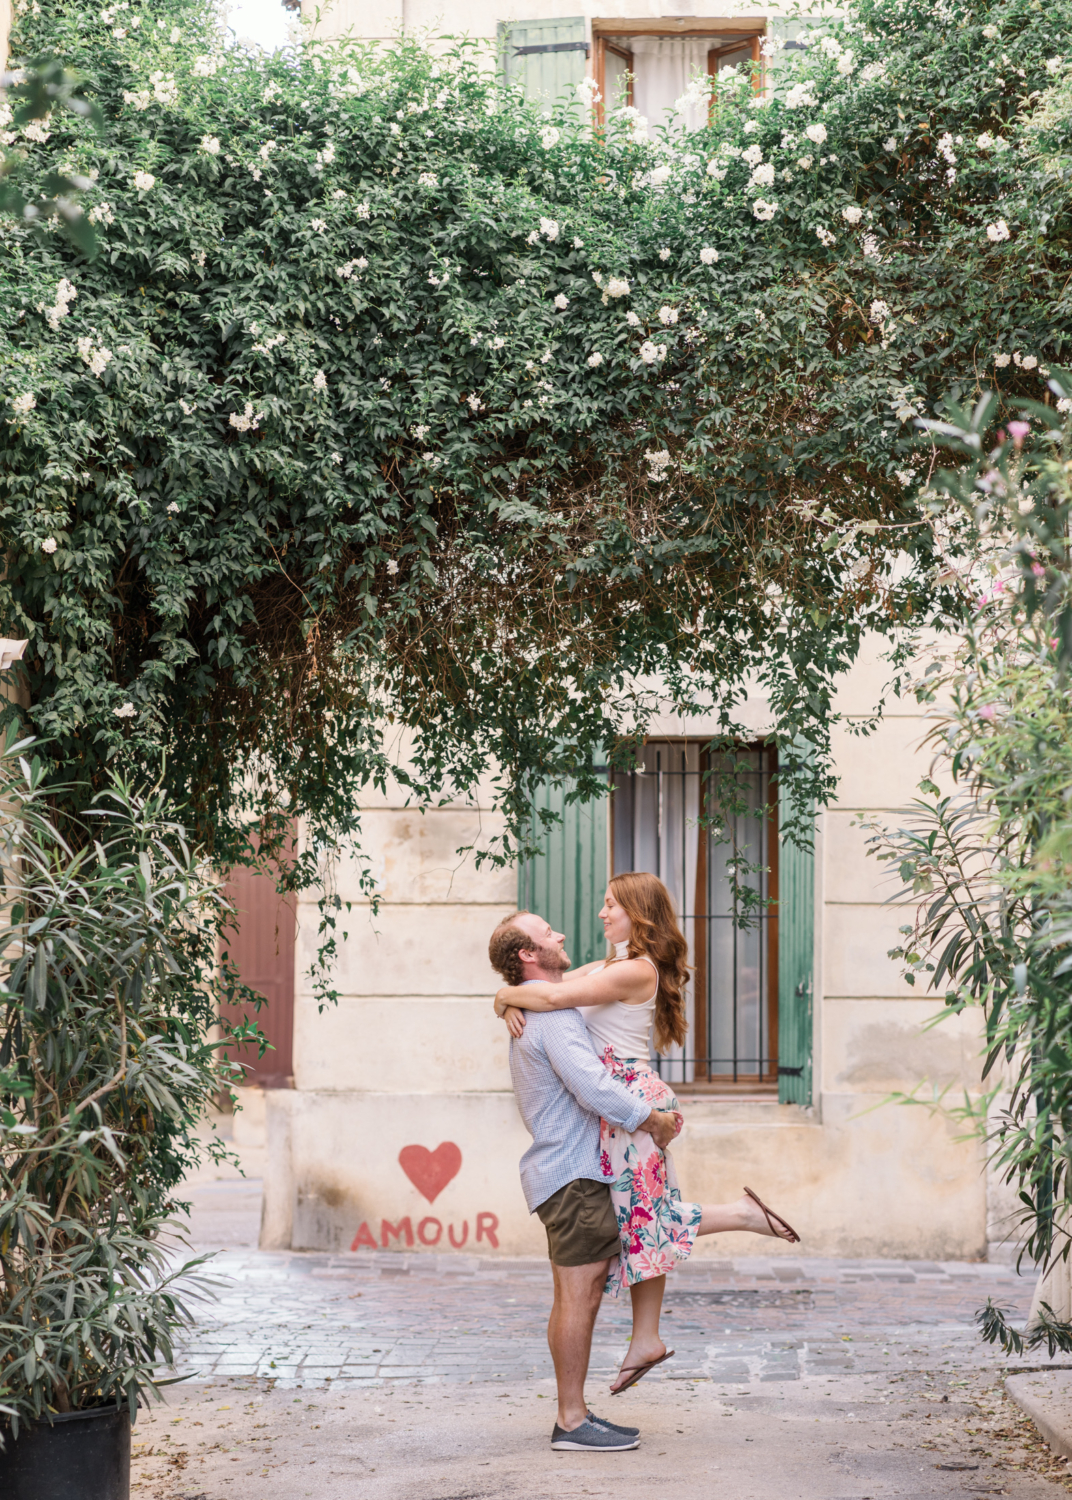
pixel 664 67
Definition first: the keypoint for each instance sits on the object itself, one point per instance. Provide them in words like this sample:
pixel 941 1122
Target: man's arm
pixel 569 1052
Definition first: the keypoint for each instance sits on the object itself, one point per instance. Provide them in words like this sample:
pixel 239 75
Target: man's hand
pixel 663 1125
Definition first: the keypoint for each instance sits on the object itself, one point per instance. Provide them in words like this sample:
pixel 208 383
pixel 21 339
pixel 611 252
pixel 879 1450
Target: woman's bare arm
pixel 630 980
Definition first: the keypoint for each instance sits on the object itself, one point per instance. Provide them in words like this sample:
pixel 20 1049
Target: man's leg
pixel 569 1334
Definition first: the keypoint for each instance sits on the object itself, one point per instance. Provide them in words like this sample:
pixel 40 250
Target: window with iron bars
pixel 707 825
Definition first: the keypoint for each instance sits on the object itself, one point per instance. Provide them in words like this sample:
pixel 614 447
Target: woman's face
pixel 616 923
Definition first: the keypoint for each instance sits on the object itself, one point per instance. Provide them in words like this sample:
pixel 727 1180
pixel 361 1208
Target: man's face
pixel 548 951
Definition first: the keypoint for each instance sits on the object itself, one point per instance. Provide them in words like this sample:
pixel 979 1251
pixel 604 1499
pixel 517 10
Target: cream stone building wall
pixel 401 1125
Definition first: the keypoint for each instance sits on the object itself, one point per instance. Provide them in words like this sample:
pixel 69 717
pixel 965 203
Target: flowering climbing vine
pixel 392 404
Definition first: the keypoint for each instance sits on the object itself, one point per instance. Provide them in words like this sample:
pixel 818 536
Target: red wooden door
pixel 260 947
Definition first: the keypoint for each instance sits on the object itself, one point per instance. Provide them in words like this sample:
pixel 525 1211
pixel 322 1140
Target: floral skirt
pixel 657 1229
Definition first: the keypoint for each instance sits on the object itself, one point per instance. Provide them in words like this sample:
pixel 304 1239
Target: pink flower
pixel 604 1165
pixel 988 711
pixel 1018 431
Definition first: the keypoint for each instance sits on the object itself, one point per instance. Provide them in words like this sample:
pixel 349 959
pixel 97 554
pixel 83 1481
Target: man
pixel 562 1089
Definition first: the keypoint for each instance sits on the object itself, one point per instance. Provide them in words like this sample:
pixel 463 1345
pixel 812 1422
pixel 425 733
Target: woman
pixel 619 1007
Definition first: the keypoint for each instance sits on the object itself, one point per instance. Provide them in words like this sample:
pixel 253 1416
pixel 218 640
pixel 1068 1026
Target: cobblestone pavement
pixel 404 1377
pixel 355 1320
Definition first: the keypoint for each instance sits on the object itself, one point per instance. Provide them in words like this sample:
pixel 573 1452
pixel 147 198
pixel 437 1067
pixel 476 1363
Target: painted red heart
pixel 430 1171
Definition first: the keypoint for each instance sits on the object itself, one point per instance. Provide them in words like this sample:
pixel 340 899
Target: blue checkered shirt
pixel 562 1089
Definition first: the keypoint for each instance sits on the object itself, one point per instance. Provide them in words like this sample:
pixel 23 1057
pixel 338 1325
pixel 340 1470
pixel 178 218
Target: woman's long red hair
pixel 656 935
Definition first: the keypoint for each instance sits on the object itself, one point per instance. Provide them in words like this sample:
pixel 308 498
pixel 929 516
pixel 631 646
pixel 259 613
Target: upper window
pixel 650 64
pixel 723 876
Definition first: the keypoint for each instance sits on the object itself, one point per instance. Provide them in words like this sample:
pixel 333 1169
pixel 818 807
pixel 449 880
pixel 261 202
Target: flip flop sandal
pixel 772 1218
pixel 639 1371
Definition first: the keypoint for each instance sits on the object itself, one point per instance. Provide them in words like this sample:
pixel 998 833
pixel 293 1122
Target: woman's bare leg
pixel 645 1345
pixel 745 1214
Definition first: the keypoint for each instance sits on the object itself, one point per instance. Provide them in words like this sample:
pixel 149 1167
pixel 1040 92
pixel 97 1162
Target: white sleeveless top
pixel 626 1029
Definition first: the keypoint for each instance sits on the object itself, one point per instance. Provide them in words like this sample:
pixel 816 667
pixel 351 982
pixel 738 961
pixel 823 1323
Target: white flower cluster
pixel 435 280
pixel 617 286
pixel 632 318
pixel 66 292
pixel 549 138
pixel 561 301
pixel 800 96
pixel 207 67
pixel 708 255
pixel 880 311
pixel 852 213
pixel 668 315
pixel 764 211
pixel 125 711
pixel 346 271
pixel 138 99
pixel 696 94
pixel 753 155
pixel 664 253
pixel 269 344
pixel 49 545
pixel 763 175
pixel 549 229
pixel 420 431
pixel 96 356
pixel 23 405
pixel 1053 65
pixel 825 237
pixel 816 134
pixel 362 211
pixel 248 420
pixel 165 89
pixel 198 258
pixel 189 407
pixel 588 92
pixel 475 404
pixel 425 180
pixel 658 461
pixel 990 32
pixel 873 72
pixel 650 353
pixel 1025 361
pixel 1064 405
pixel 325 158
pixel 805 162
pixel 210 145
pixel 320 381
pixel 144 181
pixel 594 360
pixel 319 225
pixel 997 231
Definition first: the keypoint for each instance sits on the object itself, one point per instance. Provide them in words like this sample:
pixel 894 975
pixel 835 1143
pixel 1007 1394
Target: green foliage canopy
pixel 392 405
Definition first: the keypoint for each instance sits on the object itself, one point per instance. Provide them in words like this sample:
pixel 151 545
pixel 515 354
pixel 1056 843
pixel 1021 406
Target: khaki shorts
pixel 581 1224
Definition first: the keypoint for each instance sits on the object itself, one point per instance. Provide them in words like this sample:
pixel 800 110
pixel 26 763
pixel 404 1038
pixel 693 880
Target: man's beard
pixel 552 958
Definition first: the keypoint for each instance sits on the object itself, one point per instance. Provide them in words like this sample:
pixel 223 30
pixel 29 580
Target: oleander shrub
pixel 108 935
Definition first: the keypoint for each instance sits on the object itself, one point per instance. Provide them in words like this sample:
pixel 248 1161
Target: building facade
pixel 397 1127
pixel 400 1129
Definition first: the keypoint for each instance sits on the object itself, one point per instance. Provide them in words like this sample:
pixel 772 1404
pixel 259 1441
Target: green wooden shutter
pixel 546 57
pixel 565 882
pixel 796 952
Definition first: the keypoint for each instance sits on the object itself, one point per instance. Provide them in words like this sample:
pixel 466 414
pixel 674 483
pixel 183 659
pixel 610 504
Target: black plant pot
pixel 82 1455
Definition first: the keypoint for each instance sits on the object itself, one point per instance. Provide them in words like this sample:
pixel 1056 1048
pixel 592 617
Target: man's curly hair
pixel 506 943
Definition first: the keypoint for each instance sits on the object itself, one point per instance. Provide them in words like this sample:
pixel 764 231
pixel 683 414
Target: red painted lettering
pixel 423 1237
pixel 364 1237
pixel 486 1224
pixel 396 1231
pixel 465 1234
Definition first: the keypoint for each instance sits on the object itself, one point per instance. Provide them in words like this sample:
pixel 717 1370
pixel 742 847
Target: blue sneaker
pixel 593 1438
